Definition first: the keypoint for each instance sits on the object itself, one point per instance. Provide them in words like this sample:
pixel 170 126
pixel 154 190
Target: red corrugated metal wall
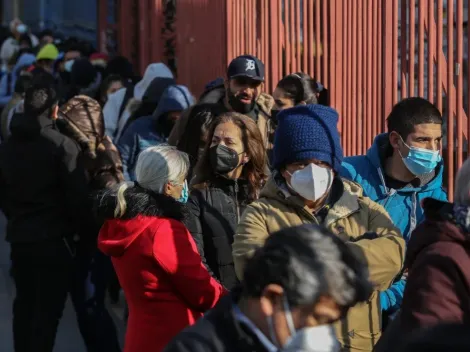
pixel 369 53
pixel 201 42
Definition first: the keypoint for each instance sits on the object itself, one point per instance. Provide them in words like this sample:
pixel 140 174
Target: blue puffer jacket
pixel 25 60
pixel 403 205
pixel 144 133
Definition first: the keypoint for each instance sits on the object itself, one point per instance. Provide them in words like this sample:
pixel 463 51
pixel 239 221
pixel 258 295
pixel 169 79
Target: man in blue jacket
pixel 401 168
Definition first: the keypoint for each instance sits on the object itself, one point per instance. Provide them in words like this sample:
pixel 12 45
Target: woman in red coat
pixel 165 283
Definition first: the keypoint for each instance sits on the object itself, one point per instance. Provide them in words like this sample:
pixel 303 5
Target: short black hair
pixel 411 112
pixel 46 33
pixel 22 83
pixel 308 262
pixel 41 95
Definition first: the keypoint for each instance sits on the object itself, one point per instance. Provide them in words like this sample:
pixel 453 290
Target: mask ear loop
pixel 288 314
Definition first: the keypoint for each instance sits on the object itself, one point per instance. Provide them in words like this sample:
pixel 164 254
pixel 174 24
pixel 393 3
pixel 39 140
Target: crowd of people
pixel 231 221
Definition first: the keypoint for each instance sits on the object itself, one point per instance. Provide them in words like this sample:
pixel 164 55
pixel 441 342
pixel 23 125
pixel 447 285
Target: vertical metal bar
pixel 332 51
pixel 450 97
pixel 421 13
pixel 412 48
pixel 274 24
pixel 306 39
pixel 431 51
pixel 459 72
pixel 350 74
pixel 388 54
pixel 375 58
pixel 292 37
pixel 359 84
pixel 380 112
pixel 311 36
pixel 368 62
pixel 394 59
pixel 229 40
pixel 297 37
pixel 318 47
pixel 404 48
pixel 468 83
pixel 439 47
pixel 287 42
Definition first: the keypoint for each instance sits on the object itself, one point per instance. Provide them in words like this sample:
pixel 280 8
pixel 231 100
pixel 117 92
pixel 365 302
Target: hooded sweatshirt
pixel 24 60
pixel 146 131
pixel 403 205
pixel 112 119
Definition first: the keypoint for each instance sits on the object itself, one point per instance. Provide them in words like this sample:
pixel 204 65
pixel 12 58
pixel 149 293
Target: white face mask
pixel 68 65
pixel 312 182
pixel 317 339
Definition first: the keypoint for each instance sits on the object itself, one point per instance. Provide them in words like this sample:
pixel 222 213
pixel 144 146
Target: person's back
pixel 44 195
pixel 37 162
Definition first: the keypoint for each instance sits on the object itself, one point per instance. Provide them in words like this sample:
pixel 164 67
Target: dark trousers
pixel 44 274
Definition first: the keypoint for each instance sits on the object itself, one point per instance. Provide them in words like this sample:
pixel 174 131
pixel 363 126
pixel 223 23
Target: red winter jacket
pixel 165 283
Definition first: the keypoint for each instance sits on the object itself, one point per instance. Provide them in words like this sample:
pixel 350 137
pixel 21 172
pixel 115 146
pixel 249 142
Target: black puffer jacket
pixel 215 210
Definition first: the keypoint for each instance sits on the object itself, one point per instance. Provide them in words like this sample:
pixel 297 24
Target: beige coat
pixel 350 217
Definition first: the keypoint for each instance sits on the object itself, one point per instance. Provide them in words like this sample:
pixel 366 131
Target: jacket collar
pixel 140 201
pixel 344 206
pixel 380 150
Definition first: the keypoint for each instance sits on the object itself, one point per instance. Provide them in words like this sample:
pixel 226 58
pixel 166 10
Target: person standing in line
pixel 164 280
pixel 229 176
pixel 121 104
pixel 305 187
pixel 44 196
pixel 299 283
pixel 152 130
pixel 403 167
pixel 240 92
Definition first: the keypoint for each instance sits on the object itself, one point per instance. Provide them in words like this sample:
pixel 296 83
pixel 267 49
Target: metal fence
pixel 368 53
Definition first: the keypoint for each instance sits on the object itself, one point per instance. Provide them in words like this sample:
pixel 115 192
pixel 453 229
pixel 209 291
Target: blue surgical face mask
pixel 68 65
pixel 21 28
pixel 421 161
pixel 184 193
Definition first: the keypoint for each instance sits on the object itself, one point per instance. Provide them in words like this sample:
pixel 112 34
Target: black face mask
pixel 238 106
pixel 223 159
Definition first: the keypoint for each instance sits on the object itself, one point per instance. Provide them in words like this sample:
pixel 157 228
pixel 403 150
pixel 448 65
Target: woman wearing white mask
pixel 302 280
pixel 305 188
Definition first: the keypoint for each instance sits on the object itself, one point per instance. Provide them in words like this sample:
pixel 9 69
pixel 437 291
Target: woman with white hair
pixel 438 264
pixel 159 268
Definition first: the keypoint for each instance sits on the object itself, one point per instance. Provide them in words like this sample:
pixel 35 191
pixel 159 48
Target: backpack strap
pixel 128 96
pixel 9 79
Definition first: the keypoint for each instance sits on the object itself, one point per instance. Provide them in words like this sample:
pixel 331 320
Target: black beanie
pixel 83 73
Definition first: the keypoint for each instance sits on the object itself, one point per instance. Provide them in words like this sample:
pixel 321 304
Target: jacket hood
pixel 119 233
pixel 24 60
pixel 155 90
pixel 152 71
pixel 439 226
pixel 378 151
pixel 347 203
pixel 81 118
pixel 27 126
pixel 174 98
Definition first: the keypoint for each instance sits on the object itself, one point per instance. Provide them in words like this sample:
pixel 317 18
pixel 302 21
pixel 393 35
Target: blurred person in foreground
pixel 44 196
pixel 305 187
pixel 438 263
pixel 164 280
pixel 299 283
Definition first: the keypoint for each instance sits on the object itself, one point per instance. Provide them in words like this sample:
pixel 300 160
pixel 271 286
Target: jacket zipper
pixel 236 201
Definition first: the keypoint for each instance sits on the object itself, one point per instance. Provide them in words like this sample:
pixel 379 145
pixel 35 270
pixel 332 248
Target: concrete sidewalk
pixel 68 336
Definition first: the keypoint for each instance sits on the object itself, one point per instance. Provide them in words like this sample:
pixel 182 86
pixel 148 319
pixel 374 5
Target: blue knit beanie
pixel 307 132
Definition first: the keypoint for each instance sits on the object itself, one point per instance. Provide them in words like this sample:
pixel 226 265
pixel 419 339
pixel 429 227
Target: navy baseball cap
pixel 246 66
